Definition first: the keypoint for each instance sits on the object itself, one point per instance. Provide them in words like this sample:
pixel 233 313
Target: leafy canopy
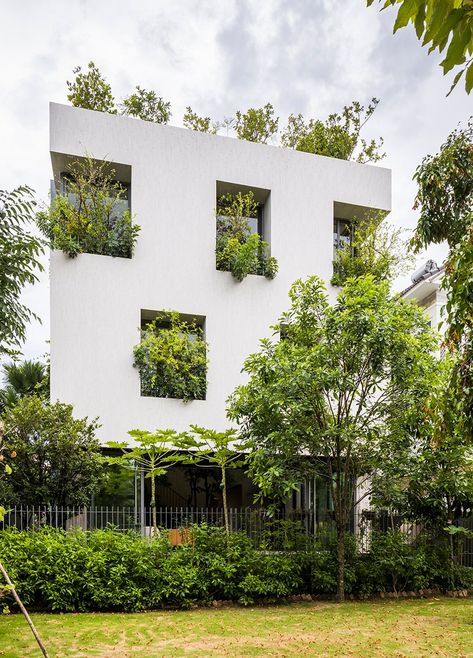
pixel 335 392
pixel 256 125
pixel 432 483
pixel 443 25
pixel 146 105
pixel 152 454
pixel 20 255
pixel 337 137
pixel 22 379
pixel 91 91
pixel 207 447
pixel 58 457
pixel 193 121
pixel 445 200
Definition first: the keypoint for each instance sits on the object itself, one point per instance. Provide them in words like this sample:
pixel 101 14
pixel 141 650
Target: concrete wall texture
pixel 96 301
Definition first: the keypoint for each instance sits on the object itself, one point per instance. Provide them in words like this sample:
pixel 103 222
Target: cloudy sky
pixel 309 56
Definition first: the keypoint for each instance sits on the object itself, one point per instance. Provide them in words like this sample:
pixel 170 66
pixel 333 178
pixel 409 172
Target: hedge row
pixel 105 570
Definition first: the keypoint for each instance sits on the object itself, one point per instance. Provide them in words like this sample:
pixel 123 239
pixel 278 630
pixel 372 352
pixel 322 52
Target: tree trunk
pixel 340 562
pixel 224 497
pixel 153 506
pixel 23 610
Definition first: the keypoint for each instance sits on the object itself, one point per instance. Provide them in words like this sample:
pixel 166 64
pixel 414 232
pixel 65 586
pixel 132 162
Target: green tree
pixel 92 215
pixel 445 201
pixel 58 458
pixel 377 248
pixel 91 91
pixel 146 105
pixel 336 395
pixel 337 137
pixel 153 454
pixel 256 125
pixel 23 379
pixel 443 25
pixel 172 358
pixel 193 121
pixel 209 448
pixel 20 255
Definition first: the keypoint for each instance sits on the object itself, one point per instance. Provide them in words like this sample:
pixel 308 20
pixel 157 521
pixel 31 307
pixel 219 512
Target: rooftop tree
pixel 91 91
pixel 20 254
pixel 334 393
pixel 339 136
pixel 193 121
pixel 256 125
pixel 146 105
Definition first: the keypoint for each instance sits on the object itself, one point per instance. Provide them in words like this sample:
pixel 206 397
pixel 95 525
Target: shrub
pixel 172 359
pixel 89 217
pixel 238 250
pixel 106 570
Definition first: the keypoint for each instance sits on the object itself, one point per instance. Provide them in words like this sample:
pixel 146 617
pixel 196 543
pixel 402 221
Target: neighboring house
pixel 427 292
pixel 173 177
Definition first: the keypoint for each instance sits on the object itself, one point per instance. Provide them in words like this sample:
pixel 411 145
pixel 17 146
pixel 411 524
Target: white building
pixel 174 175
pixel 426 291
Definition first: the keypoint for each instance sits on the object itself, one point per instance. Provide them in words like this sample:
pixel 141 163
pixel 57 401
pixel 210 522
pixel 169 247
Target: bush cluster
pixel 90 215
pixel 106 570
pixel 238 250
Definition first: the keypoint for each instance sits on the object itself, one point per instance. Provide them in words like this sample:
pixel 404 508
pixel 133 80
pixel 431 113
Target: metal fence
pixel 280 530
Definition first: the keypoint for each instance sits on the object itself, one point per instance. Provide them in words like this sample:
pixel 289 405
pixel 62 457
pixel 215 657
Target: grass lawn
pixel 435 627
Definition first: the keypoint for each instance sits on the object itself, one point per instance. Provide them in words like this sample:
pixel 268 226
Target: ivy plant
pixel 237 249
pixel 172 358
pixel 89 216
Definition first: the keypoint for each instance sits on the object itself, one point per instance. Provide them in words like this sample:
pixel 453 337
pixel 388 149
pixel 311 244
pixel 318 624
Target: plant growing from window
pixel 153 454
pixel 238 250
pixel 172 358
pixel 92 214
pixel 208 448
pixel 374 247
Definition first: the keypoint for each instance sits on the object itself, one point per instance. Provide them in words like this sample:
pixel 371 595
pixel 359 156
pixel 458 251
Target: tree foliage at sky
pixel 146 105
pixel 335 392
pixel 445 201
pixel 22 379
pixel 442 25
pixel 20 254
pixel 338 136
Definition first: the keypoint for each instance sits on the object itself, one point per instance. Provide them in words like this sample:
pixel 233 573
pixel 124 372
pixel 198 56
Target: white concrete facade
pixel 96 301
pixel 429 294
